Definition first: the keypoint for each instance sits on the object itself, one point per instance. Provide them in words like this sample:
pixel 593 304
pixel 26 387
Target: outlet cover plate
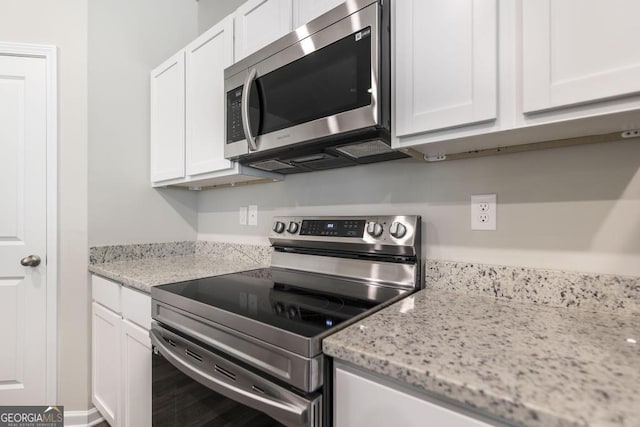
pixel 484 212
pixel 253 215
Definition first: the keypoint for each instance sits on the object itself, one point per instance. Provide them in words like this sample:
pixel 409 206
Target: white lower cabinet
pixel 105 361
pixel 136 375
pixel 121 354
pixel 361 400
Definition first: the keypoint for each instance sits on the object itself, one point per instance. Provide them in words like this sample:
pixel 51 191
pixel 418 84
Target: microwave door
pixel 242 116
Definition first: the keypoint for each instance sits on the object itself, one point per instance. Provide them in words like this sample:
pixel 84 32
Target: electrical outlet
pixel 243 215
pixel 484 212
pixel 253 215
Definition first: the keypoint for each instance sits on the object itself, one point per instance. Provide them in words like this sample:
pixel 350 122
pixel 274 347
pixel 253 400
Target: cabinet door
pixel 307 10
pixel 259 22
pixel 579 51
pixel 446 64
pixel 105 362
pixel 167 119
pixel 360 402
pixel 207 57
pixel 136 376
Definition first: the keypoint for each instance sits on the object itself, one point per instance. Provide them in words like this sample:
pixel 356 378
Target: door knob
pixel 31 261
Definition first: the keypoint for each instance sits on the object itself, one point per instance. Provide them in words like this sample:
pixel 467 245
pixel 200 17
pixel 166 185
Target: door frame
pixel 49 54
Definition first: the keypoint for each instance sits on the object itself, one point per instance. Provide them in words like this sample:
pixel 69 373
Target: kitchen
pixel 570 209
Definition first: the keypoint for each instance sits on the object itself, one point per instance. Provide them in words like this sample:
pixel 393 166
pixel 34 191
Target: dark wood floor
pixel 102 424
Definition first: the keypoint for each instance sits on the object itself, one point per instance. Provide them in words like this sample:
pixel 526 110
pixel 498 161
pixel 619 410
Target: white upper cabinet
pixel 260 22
pixel 446 64
pixel 579 51
pixel 188 119
pixel 167 119
pixel 206 59
pixel 307 10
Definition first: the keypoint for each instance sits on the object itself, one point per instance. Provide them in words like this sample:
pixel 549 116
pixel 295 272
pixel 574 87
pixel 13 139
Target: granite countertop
pixel 142 274
pixel 529 364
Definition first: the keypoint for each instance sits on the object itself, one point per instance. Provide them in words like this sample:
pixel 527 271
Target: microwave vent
pixel 271 165
pixel 365 149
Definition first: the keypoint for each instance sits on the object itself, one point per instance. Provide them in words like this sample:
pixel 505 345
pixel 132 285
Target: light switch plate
pixel 253 215
pixel 484 212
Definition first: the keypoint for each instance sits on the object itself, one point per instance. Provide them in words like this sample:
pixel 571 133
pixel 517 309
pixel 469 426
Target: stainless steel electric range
pixel 246 348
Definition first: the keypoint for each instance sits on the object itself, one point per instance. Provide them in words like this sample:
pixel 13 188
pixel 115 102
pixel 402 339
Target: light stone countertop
pixel 142 274
pixel 529 364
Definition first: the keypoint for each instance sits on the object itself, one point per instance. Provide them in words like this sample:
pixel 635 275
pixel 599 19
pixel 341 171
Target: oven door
pixel 193 386
pixel 325 84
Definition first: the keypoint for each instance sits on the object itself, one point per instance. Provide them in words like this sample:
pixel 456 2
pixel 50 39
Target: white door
pixel 579 51
pixel 260 22
pixel 446 64
pixel 23 222
pixel 207 57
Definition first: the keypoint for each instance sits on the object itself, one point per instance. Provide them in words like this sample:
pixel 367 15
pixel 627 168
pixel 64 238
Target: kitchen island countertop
pixel 528 364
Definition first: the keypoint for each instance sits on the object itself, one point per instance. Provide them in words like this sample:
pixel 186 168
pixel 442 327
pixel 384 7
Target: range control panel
pixel 388 229
pixel 333 227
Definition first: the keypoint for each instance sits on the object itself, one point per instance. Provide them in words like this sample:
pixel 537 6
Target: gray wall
pixel 211 12
pixel 64 24
pixel 126 41
pixel 575 208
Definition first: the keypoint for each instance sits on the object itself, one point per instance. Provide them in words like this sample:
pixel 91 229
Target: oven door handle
pixel 246 124
pixel 275 401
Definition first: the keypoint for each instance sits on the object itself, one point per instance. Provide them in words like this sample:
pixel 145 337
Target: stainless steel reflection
pixel 390 278
pixel 236 382
pixel 294 360
pixel 339 13
pixel 289 49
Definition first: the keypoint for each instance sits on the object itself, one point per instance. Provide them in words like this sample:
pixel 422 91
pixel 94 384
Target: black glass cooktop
pixel 263 296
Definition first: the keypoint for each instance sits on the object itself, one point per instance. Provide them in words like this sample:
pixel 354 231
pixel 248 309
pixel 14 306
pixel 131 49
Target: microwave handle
pixel 245 109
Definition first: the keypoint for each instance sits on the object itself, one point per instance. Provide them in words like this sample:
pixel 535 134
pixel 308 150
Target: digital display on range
pixel 335 228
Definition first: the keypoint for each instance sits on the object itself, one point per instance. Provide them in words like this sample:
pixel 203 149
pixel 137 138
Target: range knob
pixel 293 227
pixel 397 230
pixel 278 227
pixel 374 229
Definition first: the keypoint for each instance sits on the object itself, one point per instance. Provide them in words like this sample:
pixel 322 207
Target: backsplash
pixel 104 254
pixel 261 254
pixel 586 291
pixel 593 292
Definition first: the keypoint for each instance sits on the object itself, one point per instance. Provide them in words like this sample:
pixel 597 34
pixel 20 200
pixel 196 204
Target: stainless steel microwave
pixel 317 98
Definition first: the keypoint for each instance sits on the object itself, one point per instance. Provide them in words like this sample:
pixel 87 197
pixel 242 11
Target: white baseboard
pixel 82 418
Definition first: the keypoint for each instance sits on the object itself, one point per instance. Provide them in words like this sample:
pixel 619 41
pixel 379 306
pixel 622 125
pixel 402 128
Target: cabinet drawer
pixel 106 293
pixel 136 307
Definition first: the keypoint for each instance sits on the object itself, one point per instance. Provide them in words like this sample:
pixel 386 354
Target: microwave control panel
pixel 235 132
